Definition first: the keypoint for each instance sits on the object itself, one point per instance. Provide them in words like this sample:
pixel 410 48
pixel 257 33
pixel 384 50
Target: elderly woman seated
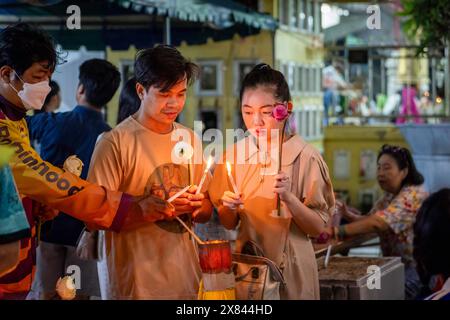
pixel 392 216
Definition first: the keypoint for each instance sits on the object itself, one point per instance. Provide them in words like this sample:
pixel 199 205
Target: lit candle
pixel 233 183
pixel 230 176
pixel 208 166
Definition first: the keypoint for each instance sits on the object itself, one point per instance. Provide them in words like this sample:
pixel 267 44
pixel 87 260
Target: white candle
pixel 179 193
pixel 233 183
pixel 230 176
pixel 208 166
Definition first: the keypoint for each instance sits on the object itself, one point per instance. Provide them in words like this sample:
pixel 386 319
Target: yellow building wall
pixel 270 7
pixel 302 48
pixel 356 140
pixel 258 47
pixel 267 46
pixel 412 70
pixel 116 57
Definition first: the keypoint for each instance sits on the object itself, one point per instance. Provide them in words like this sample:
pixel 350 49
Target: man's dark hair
pixel 22 44
pixel 162 67
pixel 404 159
pixel 129 101
pixel 100 80
pixel 432 236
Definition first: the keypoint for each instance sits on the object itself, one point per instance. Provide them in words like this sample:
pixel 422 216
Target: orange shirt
pixel 41 181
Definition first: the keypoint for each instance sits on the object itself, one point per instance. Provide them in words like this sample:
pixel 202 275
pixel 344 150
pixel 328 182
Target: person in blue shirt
pixel 60 136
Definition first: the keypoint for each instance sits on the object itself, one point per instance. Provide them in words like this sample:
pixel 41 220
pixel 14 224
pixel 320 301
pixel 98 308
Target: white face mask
pixel 33 94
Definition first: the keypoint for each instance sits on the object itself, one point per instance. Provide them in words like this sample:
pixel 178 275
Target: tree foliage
pixel 427 21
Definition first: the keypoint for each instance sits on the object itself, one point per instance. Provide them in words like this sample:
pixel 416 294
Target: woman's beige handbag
pixel 257 277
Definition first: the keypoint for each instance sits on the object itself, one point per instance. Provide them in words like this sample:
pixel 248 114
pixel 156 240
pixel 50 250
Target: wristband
pixel 335 233
pixel 341 232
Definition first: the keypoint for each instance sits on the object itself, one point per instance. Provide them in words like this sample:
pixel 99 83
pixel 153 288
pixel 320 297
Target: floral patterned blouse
pixel 399 212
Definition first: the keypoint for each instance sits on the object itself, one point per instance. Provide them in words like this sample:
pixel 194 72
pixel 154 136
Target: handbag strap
pixel 276 272
pixel 294 190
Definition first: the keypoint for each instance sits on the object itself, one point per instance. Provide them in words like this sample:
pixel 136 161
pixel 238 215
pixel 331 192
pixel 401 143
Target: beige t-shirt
pixel 156 260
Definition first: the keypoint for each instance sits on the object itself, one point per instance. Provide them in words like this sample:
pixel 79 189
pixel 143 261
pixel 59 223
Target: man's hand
pixel 154 208
pixel 188 202
pixel 44 212
pixel 202 206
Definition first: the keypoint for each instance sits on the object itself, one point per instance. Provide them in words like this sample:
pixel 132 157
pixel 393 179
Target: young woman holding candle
pixel 302 184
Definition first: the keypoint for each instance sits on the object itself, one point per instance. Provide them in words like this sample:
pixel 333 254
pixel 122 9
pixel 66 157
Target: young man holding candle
pixel 143 156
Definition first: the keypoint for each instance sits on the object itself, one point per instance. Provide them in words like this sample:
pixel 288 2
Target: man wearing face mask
pixel 27 61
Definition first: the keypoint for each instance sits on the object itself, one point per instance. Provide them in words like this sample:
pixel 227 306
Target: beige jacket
pixel 280 238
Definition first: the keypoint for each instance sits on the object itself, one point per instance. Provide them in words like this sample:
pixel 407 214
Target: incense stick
pixel 327 257
pixel 189 230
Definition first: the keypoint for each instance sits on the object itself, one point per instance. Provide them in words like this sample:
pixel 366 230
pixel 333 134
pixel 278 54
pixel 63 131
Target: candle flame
pixel 229 168
pixel 210 162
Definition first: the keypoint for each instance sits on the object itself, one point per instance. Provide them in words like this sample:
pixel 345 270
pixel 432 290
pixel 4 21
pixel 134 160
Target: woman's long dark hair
pixel 129 101
pixel 263 75
pixel 404 160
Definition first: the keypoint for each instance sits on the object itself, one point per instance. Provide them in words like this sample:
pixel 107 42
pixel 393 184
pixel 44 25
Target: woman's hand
pixel 228 209
pixel 347 213
pixel 341 208
pixel 282 185
pixel 231 200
